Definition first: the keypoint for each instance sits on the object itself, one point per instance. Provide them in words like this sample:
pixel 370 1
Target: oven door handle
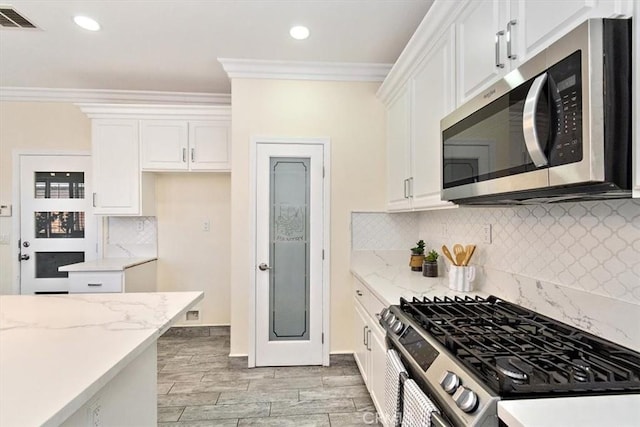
pixel 529 130
pixel 438 420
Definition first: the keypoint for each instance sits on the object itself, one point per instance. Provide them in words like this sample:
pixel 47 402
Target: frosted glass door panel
pixel 289 239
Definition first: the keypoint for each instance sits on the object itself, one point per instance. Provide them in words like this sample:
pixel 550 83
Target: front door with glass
pixel 289 241
pixel 56 224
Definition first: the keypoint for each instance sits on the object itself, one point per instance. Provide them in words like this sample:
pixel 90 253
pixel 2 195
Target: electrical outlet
pixel 95 414
pixel 140 225
pixel 5 239
pixel 487 234
pixel 444 231
pixel 206 225
pixel 193 315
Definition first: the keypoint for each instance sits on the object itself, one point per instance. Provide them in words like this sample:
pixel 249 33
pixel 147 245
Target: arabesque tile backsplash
pixel 589 246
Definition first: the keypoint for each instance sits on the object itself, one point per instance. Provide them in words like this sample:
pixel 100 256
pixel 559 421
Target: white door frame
pixel 326 241
pixel 16 211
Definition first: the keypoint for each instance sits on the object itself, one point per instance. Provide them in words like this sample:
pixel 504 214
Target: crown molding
pixel 297 70
pixel 35 94
pixel 146 111
pixel 436 22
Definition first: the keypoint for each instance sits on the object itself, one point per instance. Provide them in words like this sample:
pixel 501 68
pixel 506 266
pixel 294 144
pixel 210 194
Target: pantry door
pixel 289 254
pixel 57 226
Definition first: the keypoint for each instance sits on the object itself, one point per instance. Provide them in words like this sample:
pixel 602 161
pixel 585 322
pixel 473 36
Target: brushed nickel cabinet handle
pixel 498 35
pixel 184 155
pixel 94 284
pixel 193 154
pixel 510 53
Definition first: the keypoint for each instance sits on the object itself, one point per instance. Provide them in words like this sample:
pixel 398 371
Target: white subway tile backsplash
pixel 587 246
pixel 131 237
pixel 590 246
pixel 132 230
pixel 380 231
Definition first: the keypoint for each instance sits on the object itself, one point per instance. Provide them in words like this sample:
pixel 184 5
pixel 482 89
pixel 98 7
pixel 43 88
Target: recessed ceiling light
pixel 299 32
pixel 86 23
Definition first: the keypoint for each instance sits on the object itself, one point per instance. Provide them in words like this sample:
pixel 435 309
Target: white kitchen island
pixel 86 359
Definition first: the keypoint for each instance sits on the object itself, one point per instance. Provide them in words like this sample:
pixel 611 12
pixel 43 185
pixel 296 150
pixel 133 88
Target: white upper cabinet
pixel 433 97
pixel 399 152
pixel 120 188
pixel 164 144
pixel 181 145
pixel 542 22
pixel 481 46
pixel 495 36
pixel 210 146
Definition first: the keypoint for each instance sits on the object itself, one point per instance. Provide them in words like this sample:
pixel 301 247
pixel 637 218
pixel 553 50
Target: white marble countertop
pixel 388 276
pixel 106 264
pixel 57 351
pixel 590 411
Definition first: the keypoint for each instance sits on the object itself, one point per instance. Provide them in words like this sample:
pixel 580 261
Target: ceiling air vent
pixel 10 18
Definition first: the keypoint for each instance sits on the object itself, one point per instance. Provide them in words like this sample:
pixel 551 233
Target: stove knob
pixel 384 312
pixel 466 399
pixel 396 327
pixel 449 382
pixel 390 319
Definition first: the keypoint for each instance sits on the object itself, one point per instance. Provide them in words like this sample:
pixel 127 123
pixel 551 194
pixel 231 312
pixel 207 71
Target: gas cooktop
pixel 519 353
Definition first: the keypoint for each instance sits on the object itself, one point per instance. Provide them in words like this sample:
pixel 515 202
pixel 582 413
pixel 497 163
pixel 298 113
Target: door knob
pixel 264 267
pixel 23 257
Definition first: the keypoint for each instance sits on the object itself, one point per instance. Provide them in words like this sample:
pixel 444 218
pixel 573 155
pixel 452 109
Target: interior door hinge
pixel 323 254
pixel 323 338
pixel 323 171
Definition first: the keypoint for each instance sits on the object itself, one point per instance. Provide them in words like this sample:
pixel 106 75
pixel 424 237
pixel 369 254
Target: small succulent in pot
pixel 430 265
pixel 418 249
pixel 432 256
pixel 417 256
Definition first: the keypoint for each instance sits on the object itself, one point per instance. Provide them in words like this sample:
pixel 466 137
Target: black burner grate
pixel 518 352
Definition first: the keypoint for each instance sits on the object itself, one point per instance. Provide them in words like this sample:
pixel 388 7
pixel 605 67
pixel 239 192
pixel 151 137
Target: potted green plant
pixel 417 256
pixel 430 264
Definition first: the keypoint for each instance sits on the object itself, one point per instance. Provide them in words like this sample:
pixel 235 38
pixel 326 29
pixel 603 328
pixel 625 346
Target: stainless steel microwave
pixel 557 128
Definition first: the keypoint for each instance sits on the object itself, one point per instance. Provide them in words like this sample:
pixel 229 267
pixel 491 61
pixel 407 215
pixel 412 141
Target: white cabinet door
pixel 360 335
pixel 542 22
pixel 116 167
pixel 479 64
pixel 209 146
pixel 164 144
pixel 433 98
pixel 378 366
pixel 398 152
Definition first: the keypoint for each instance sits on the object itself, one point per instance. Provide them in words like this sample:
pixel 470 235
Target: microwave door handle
pixel 529 130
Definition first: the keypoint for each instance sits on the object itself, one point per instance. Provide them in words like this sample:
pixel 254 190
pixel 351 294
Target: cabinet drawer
pixel 374 306
pixel 361 293
pixel 95 282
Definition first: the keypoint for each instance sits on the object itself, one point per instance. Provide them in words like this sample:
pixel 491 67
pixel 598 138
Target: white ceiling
pixel 173 45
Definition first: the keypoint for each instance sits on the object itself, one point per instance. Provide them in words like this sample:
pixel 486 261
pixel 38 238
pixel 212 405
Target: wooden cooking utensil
pixel 469 250
pixel 445 251
pixel 460 253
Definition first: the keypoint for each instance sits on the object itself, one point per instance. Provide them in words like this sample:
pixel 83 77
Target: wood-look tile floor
pixel 199 385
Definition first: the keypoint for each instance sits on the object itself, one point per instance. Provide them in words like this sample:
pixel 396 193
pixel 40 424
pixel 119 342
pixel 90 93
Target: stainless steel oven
pixel 557 127
pixel 467 354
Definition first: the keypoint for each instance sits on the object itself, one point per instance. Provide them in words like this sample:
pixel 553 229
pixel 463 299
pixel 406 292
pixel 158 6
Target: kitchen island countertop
pixel 106 264
pixel 57 351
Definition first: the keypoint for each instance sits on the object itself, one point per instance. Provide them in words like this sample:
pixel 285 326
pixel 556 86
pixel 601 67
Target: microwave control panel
pixel 565 96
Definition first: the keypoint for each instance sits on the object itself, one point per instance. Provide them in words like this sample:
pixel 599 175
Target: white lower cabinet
pixel 370 348
pixel 138 278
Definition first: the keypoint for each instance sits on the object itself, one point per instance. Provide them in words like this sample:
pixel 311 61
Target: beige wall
pixel 354 119
pixel 33 126
pixel 190 259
